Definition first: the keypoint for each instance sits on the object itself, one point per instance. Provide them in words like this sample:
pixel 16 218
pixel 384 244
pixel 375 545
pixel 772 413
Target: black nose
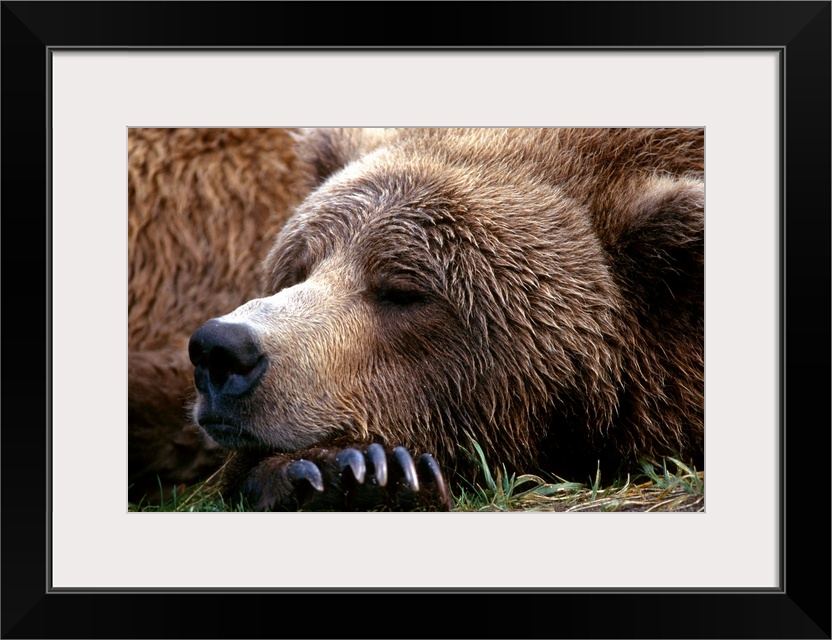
pixel 227 357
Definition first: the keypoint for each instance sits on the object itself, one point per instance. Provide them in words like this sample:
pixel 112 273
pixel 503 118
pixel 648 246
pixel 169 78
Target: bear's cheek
pixel 419 359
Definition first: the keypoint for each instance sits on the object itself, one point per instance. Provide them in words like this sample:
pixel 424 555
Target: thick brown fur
pixel 204 206
pixel 539 291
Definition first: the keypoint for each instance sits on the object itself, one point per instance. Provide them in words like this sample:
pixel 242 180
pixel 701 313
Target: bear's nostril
pixel 227 356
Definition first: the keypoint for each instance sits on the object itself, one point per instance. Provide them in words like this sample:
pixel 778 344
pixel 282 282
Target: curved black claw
pixel 377 463
pixel 404 484
pixel 307 480
pixel 304 470
pixel 404 471
pixel 432 480
pixel 353 460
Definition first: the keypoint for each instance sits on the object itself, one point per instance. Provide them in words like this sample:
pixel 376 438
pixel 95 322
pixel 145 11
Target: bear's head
pixel 515 287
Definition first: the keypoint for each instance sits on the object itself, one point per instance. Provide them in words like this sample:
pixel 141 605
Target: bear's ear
pixel 328 150
pixel 657 236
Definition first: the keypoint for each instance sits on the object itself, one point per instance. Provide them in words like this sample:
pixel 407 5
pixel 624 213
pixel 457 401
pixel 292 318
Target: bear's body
pixel 538 291
pixel 204 205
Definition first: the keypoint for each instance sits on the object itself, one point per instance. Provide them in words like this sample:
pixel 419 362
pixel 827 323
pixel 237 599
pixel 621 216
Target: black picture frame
pixel 800 608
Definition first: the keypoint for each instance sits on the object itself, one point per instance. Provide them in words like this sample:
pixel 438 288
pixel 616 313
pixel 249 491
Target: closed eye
pixel 396 296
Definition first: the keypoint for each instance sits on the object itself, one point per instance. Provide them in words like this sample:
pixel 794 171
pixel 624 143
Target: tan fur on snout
pixel 313 335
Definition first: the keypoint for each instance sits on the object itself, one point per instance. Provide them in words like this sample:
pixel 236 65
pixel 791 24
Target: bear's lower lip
pixel 228 435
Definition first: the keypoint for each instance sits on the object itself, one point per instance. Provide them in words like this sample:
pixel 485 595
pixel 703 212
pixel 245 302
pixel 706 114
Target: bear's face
pixel 358 307
pixel 438 287
pixel 406 297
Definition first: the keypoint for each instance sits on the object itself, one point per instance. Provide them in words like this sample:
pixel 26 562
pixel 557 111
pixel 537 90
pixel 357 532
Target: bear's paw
pixel 347 479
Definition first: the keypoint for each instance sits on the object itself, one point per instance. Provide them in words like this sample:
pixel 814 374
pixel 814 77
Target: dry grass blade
pixel 685 495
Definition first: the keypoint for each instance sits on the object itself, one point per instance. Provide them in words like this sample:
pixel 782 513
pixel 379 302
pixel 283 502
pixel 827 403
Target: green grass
pixel 666 485
pixel 202 497
pixel 501 491
pixel 659 487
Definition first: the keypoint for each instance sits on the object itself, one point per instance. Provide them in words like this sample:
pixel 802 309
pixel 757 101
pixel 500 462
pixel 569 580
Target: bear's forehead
pixel 389 199
pixel 377 238
pixel 423 206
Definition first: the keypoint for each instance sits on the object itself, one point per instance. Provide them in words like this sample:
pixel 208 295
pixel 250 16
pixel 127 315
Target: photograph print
pixel 416 319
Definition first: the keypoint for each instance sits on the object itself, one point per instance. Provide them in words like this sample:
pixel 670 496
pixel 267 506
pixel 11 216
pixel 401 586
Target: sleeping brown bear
pixel 537 291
